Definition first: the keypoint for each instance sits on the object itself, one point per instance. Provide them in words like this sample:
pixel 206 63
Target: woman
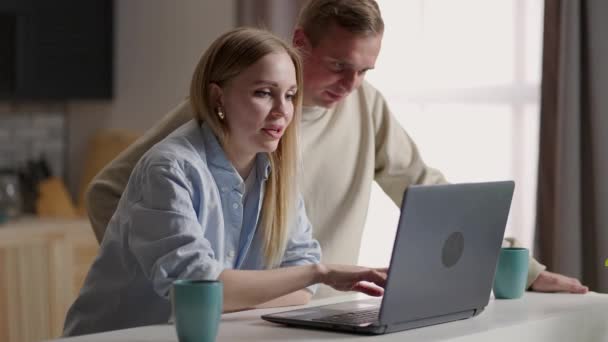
pixel 217 199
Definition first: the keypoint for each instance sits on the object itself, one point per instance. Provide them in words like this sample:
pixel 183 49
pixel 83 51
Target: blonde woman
pixel 217 199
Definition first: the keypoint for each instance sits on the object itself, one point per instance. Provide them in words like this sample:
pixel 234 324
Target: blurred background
pixel 80 82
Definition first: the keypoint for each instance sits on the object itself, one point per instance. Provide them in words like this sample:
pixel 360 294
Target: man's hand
pixel 554 282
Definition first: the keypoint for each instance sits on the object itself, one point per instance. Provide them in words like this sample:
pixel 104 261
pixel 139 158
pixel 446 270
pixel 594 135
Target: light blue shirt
pixel 182 216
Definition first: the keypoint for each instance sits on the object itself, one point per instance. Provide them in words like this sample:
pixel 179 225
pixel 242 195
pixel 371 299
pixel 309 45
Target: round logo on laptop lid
pixel 452 249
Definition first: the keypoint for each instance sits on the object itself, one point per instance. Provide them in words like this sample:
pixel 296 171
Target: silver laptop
pixel 442 265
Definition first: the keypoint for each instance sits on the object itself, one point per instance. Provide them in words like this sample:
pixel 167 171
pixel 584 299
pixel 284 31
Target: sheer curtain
pixel 278 16
pixel 463 79
pixel 573 189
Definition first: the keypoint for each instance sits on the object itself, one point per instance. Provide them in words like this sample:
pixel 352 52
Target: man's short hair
pixel 356 16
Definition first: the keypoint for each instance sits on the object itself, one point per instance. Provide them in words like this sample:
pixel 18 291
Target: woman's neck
pixel 242 162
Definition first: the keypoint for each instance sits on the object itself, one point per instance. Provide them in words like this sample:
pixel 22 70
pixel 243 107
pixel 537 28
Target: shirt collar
pixel 263 166
pixel 213 150
pixel 217 158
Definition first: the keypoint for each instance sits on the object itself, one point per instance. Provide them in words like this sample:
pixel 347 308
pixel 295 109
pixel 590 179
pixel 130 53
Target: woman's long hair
pixel 227 57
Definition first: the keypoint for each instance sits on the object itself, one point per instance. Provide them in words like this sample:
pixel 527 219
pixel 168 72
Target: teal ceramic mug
pixel 511 273
pixel 197 309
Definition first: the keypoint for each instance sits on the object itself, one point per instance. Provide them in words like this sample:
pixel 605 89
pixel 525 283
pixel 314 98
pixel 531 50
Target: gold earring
pixel 220 113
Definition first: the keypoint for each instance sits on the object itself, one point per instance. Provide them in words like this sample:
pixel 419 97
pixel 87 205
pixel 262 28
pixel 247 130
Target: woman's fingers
pixel 377 277
pixel 369 289
pixel 370 281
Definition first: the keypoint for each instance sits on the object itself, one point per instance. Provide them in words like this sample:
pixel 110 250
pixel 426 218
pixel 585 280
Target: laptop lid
pixel 446 249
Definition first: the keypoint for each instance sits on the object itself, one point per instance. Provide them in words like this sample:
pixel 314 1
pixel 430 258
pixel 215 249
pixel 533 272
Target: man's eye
pixel 337 66
pixel 262 93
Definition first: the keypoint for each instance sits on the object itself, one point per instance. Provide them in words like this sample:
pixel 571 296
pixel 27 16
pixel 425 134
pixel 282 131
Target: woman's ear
pixel 217 95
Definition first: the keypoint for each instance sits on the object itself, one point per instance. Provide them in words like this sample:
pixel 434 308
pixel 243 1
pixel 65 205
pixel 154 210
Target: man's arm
pixel 398 165
pixel 541 280
pixel 106 188
pixel 554 282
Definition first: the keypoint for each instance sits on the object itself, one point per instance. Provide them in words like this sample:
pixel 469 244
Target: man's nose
pixel 350 81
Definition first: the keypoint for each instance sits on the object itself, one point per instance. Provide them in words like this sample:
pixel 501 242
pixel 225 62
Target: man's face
pixel 336 65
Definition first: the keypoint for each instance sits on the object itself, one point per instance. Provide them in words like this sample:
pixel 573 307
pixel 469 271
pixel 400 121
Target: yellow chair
pixel 102 149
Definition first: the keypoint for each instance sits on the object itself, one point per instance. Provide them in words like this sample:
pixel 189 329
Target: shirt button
pixel 235 205
pixel 231 254
pixel 224 189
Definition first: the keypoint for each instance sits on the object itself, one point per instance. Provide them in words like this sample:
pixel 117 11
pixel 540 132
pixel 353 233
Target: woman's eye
pixel 262 93
pixel 290 97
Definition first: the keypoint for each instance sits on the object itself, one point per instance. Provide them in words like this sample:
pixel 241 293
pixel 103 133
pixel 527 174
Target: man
pixel 349 137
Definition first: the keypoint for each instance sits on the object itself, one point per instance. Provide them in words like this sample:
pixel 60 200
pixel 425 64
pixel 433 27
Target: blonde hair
pixel 226 58
pixel 356 16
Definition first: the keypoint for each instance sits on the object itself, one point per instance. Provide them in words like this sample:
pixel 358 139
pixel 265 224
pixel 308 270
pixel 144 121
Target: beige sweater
pixel 344 149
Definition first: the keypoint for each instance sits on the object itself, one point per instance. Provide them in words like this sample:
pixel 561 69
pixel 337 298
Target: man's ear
pixel 301 41
pixel 216 95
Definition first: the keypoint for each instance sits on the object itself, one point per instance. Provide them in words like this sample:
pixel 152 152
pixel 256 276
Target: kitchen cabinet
pixel 43 263
pixel 56 50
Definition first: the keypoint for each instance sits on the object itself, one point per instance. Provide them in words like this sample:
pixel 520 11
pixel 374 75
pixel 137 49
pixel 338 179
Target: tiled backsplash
pixel 29 136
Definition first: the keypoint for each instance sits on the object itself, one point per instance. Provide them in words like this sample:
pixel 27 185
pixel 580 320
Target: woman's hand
pixel 244 289
pixel 370 281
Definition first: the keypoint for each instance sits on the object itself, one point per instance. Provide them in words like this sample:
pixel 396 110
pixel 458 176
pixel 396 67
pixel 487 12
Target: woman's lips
pixel 273 132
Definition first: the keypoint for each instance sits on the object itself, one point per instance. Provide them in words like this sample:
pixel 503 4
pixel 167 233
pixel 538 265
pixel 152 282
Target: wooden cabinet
pixel 43 263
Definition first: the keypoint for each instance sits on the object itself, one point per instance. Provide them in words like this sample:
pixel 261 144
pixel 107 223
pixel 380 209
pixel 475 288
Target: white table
pixel 536 317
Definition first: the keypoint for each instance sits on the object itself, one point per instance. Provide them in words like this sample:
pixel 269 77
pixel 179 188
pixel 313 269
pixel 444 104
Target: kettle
pixel 10 195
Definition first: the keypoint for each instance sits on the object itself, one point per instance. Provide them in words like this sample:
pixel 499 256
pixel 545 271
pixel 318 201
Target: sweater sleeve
pixel 105 190
pixel 398 163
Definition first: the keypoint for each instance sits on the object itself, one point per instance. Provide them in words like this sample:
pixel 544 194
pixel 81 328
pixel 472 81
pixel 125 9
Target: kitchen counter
pixel 27 228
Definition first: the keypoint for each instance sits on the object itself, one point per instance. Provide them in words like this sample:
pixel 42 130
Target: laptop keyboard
pixel 354 318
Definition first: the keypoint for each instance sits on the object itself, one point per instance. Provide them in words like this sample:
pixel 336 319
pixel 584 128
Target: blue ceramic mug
pixel 197 309
pixel 511 273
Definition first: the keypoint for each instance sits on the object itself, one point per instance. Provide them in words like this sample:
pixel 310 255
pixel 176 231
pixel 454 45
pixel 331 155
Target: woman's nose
pixel 280 108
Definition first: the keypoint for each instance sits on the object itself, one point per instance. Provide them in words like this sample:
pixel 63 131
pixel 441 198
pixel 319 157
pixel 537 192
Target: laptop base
pixel 304 319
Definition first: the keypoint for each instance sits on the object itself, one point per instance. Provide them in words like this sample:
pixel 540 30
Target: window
pixel 468 94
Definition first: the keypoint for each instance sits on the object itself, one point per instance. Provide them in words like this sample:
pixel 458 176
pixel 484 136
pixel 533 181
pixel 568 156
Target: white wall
pixel 157 44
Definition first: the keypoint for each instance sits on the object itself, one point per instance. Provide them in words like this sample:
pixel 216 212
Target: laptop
pixel 442 264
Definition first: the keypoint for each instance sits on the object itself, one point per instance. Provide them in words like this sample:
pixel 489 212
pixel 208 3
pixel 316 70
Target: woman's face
pixel 258 105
